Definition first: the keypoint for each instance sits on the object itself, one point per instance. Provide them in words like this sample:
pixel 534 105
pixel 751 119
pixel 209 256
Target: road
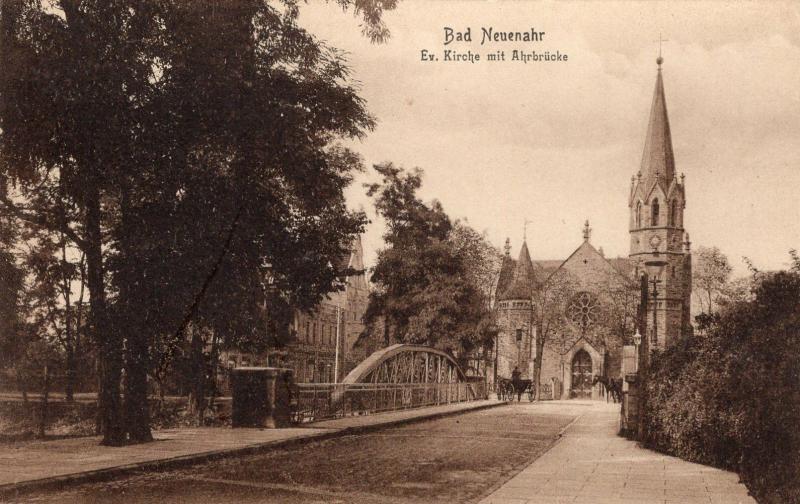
pixel 455 459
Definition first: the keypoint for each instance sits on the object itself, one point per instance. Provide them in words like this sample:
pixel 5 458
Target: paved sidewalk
pixel 50 462
pixel 592 465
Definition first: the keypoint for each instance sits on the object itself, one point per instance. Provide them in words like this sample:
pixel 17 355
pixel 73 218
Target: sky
pixel 556 143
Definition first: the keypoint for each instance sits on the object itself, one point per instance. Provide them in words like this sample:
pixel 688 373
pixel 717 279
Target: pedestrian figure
pixel 515 380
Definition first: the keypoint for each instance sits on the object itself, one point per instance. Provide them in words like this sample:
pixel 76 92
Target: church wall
pixel 551 368
pixel 514 315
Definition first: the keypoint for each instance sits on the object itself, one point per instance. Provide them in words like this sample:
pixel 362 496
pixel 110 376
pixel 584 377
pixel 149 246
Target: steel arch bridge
pixel 402 363
pixel 396 377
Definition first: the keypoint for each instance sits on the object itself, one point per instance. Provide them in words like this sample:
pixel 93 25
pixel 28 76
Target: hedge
pixel 731 398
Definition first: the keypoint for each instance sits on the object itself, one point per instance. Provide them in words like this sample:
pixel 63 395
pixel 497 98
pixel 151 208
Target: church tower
pixel 515 316
pixel 659 244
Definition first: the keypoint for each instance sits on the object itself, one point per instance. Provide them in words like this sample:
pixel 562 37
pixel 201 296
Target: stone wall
pixel 515 316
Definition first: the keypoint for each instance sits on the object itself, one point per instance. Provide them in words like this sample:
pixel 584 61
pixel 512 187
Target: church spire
pixel 658 161
pixel 521 285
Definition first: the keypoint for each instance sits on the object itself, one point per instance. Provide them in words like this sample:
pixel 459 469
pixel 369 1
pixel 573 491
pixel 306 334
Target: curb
pixel 363 429
pixel 13 490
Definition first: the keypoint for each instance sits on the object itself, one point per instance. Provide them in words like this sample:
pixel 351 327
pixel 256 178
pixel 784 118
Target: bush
pixel 732 398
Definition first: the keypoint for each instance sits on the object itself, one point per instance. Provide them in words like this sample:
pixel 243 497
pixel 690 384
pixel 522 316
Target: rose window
pixel 583 310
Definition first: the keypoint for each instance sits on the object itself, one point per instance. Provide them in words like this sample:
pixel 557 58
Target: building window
pixel 583 310
pixel 654 213
pixel 519 335
pixel 638 214
pixel 673 212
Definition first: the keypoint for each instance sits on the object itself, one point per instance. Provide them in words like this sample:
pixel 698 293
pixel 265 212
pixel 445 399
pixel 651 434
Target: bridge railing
pixel 319 401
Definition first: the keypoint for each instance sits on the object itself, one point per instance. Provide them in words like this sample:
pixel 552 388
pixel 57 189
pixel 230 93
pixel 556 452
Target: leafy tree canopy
pixel 427 284
pixel 182 146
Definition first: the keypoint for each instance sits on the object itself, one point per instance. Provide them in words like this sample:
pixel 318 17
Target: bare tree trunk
pixel 44 407
pixel 79 325
pixel 109 401
pixel 69 340
pixel 137 352
pixel 137 406
pixel 537 366
pixel 159 382
pixel 196 401
pixel 22 384
pixel 212 378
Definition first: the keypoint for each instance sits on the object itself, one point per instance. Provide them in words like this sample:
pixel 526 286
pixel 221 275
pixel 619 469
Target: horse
pixel 613 386
pixel 521 386
pixel 506 389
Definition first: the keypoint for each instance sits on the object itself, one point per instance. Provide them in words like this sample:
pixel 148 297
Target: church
pixel 573 316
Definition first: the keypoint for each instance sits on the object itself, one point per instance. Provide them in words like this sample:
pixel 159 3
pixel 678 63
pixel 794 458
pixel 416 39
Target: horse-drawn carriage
pixel 507 388
pixel 612 388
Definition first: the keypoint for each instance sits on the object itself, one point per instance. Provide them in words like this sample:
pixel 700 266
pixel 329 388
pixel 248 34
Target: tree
pixel 549 303
pixel 76 78
pixel 176 143
pixel 426 291
pixel 732 398
pixel 12 340
pixel 711 272
pixel 482 259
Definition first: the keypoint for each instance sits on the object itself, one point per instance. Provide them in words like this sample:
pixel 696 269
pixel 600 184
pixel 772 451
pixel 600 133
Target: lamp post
pixel 336 352
pixel 637 340
pixel 654 282
pixel 655 267
pixel 267 285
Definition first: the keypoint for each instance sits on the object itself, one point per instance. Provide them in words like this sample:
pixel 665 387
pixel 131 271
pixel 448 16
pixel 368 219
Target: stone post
pixel 261 397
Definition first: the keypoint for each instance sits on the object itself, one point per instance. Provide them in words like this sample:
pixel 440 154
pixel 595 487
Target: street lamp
pixel 637 340
pixel 655 268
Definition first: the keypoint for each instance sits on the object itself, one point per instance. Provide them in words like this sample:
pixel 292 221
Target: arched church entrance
pixel 581 375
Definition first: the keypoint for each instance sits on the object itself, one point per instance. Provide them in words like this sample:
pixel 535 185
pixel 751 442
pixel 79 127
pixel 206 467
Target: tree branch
pixel 190 314
pixel 42 222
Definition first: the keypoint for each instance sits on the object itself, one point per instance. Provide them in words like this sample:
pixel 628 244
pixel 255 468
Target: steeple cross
pixel 525 229
pixel 587 231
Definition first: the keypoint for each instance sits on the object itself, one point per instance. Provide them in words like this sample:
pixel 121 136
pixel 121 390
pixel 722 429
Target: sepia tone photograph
pixel 399 251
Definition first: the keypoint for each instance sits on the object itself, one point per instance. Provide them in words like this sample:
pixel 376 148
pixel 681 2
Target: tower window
pixel 673 212
pixel 654 213
pixel 638 214
pixel 519 335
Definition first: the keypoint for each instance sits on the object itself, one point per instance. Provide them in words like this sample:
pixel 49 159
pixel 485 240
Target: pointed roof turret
pixel 521 285
pixel 658 161
pixel 506 271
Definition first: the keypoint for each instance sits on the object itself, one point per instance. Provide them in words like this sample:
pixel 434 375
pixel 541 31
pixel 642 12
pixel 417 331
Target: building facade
pixel 313 354
pixel 315 335
pixel 584 308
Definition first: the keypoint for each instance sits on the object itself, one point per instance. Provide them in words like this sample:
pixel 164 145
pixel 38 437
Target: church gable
pixel 655 192
pixel 589 268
